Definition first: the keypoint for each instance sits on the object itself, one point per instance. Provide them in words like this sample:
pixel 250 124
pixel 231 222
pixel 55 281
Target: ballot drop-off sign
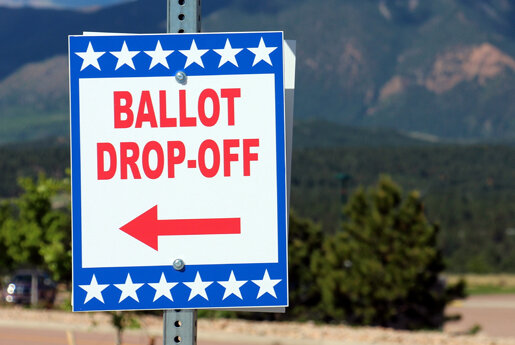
pixel 178 153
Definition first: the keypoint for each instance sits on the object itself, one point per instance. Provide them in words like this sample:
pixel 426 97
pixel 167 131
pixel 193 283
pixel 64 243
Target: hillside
pixel 444 68
pixel 313 133
pixel 34 101
pixel 440 67
pixel 467 189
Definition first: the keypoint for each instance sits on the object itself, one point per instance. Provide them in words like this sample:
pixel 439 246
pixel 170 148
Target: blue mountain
pixel 439 69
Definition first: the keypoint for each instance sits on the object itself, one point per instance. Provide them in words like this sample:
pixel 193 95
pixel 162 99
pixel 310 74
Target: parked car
pixel 19 288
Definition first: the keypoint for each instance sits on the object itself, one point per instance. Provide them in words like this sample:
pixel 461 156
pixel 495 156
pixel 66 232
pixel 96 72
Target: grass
pixel 485 284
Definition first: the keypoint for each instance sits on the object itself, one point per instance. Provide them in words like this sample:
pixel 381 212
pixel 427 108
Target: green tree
pixel 36 228
pixel 5 259
pixel 383 267
pixel 305 243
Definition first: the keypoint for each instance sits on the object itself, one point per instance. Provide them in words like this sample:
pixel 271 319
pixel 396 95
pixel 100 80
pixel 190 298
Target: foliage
pixel 121 320
pixel 305 243
pixel 485 284
pixel 36 228
pixel 5 259
pixel 467 189
pixel 50 156
pixel 383 267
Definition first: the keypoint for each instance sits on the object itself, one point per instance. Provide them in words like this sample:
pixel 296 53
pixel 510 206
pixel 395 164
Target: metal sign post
pixel 180 326
pixel 183 16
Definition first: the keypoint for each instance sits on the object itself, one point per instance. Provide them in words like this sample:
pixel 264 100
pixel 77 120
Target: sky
pixel 59 3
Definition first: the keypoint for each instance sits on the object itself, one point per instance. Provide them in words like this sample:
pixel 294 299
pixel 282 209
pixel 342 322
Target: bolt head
pixel 178 264
pixel 180 77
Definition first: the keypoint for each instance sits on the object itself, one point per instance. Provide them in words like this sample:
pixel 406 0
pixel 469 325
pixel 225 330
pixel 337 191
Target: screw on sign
pixel 181 77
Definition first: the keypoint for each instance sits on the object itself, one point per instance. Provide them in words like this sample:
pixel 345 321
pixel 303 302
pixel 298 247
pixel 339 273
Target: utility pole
pixel 180 326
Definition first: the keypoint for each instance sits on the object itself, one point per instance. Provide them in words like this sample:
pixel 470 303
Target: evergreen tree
pixel 383 267
pixel 305 243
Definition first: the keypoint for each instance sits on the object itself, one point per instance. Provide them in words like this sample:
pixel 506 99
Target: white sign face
pixel 178 152
pixel 201 187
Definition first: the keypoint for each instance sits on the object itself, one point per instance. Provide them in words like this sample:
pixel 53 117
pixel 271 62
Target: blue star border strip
pixel 197 286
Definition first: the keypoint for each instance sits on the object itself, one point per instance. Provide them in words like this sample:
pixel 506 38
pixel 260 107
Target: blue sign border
pixel 110 295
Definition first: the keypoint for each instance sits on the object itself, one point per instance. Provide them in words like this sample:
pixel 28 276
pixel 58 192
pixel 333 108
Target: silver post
pixel 183 16
pixel 180 326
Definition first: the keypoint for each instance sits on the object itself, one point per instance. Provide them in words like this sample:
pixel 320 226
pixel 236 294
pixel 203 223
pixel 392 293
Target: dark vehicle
pixel 30 287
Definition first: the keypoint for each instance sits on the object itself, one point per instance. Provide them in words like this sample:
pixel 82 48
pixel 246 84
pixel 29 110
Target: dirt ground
pixel 494 314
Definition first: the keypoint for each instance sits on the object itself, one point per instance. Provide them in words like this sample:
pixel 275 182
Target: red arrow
pixel 147 228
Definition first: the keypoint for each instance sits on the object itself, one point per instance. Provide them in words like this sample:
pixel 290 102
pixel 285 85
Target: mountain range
pixel 441 69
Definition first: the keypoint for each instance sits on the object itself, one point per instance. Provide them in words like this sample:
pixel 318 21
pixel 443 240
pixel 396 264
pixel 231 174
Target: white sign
pixel 178 152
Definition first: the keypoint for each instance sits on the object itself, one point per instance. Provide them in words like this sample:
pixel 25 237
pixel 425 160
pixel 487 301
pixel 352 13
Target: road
pixel 35 336
pixel 495 314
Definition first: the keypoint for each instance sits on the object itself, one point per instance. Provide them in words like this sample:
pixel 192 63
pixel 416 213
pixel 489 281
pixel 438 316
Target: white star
pixel 194 55
pixel 198 287
pixel 266 285
pixel 158 56
pixel 94 290
pixel 128 289
pixel 228 54
pixel 232 286
pixel 262 53
pixel 90 57
pixel 125 57
pixel 163 288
